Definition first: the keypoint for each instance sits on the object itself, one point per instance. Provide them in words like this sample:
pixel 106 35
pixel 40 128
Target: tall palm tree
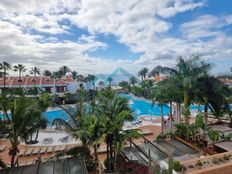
pixel 115 111
pixel 80 78
pixel 25 114
pixel 187 71
pixel 110 79
pixel 143 73
pixel 5 66
pixel 133 81
pixel 92 79
pixel 64 69
pixel 101 84
pixel 35 71
pixel 47 73
pixel 74 74
pixel 19 68
pixel 91 133
pixel 213 93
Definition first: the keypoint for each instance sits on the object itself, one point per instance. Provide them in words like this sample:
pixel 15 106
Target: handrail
pixel 138 156
pixel 144 153
pixel 153 145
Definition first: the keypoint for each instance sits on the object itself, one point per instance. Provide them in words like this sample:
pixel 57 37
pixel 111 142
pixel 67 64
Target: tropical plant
pixel 63 70
pixel 74 75
pixel 22 122
pixel 133 80
pixel 213 93
pixel 214 135
pixel 187 71
pixel 110 79
pixel 47 73
pixel 91 133
pixel 115 111
pixel 19 68
pixel 35 71
pixel 143 73
pixel 80 78
pixel 5 66
pixel 101 84
pixel 91 78
pixel 124 84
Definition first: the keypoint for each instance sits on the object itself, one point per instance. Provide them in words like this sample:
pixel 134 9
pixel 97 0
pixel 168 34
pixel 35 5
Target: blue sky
pixel 97 36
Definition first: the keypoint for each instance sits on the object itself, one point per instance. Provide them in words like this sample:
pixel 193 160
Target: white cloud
pixel 30 30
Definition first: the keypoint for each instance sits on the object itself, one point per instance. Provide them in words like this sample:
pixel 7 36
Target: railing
pixel 145 154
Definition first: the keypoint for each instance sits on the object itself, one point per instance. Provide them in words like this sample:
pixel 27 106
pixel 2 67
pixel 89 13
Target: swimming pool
pixel 144 107
pixel 139 107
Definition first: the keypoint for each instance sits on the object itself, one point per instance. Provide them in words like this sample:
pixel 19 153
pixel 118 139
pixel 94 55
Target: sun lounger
pixel 36 151
pixel 22 152
pixel 57 148
pixel 147 132
pixel 2 148
pixel 43 150
pixel 28 152
pixel 30 162
pixel 50 149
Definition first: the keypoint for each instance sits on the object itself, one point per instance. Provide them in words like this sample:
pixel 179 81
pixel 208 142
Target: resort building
pixel 44 83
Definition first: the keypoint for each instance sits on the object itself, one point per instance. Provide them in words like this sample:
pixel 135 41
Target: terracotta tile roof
pixel 38 81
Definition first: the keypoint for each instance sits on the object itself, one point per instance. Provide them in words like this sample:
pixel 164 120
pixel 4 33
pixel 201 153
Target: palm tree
pixel 92 79
pixel 110 79
pixel 20 68
pixel 47 73
pixel 213 93
pixel 143 73
pixel 101 84
pixel 115 111
pixel 63 70
pixel 35 71
pixel 5 67
pixel 133 81
pixel 25 115
pixel 74 74
pixel 80 78
pixel 187 71
pixel 155 71
pixel 91 133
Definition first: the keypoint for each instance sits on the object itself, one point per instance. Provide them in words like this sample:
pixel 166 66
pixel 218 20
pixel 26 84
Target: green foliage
pixel 226 157
pixel 215 160
pixel 214 135
pixel 199 121
pixel 199 163
pixel 124 84
pixel 176 165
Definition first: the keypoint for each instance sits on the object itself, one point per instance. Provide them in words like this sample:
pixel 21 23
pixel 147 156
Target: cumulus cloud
pixel 43 32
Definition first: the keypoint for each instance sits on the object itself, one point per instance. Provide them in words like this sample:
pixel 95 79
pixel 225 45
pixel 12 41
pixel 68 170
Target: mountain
pixel 118 75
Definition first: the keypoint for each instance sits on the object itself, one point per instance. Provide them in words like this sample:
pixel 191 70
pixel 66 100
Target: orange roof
pixel 38 81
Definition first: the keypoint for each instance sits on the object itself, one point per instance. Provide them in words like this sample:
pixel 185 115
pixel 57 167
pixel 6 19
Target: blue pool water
pixel 144 107
pixel 139 107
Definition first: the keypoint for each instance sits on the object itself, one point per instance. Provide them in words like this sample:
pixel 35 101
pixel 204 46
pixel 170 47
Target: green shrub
pixel 199 163
pixel 221 160
pixel 226 157
pixel 176 165
pixel 215 160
